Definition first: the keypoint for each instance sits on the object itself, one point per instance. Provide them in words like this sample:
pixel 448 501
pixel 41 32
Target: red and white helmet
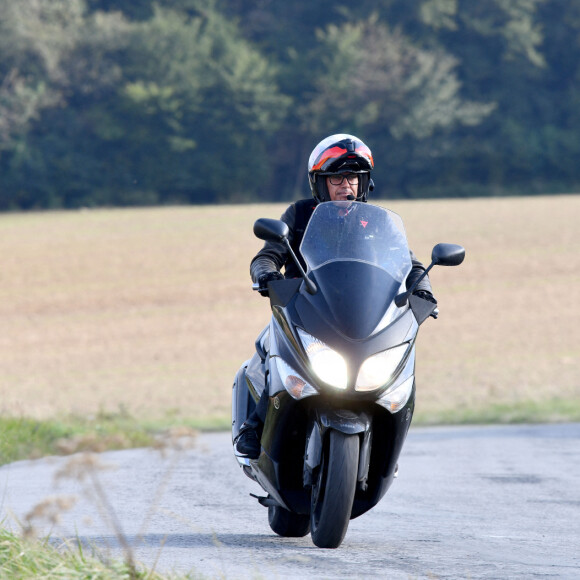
pixel 340 153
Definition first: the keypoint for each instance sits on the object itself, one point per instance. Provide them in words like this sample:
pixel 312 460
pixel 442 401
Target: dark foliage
pixel 113 103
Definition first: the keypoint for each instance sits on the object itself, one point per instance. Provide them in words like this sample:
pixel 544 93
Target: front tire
pixel 333 493
pixel 288 524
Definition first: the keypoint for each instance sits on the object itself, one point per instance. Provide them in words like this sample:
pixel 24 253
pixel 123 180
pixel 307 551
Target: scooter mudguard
pixel 347 422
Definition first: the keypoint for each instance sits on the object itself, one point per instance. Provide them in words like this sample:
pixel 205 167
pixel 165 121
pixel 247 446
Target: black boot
pixel 247 443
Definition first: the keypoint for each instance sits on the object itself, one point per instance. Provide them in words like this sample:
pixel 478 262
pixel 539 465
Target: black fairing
pixel 284 440
pixel 353 296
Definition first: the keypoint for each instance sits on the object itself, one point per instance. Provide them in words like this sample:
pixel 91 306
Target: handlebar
pixel 256 288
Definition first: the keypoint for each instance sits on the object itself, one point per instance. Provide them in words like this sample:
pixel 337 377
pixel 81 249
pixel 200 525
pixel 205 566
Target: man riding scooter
pixel 339 169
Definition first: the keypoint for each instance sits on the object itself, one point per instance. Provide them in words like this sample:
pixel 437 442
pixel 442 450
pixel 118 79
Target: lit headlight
pixel 378 369
pixel 292 381
pixel 327 364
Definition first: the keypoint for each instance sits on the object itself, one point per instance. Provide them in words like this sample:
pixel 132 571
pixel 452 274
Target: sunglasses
pixel 337 179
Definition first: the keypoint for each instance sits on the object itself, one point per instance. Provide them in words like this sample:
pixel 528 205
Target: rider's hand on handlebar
pixel 265 278
pixel 426 295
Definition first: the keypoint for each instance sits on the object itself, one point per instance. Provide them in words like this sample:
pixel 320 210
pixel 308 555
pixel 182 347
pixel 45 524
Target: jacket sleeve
pixel 274 255
pixel 417 269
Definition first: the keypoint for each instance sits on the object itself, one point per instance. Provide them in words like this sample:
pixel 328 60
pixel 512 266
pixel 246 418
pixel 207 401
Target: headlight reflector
pixel 378 370
pixel 328 365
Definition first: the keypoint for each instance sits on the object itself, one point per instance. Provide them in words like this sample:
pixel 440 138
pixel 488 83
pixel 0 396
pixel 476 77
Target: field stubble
pixel 151 310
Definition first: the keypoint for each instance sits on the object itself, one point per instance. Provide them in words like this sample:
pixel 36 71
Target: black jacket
pixel 273 256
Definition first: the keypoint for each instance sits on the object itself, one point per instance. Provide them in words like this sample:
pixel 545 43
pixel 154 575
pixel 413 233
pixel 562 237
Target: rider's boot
pixel 247 443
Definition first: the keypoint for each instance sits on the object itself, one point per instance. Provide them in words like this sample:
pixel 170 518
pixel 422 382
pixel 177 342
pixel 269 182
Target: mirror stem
pixel 401 299
pixel 310 285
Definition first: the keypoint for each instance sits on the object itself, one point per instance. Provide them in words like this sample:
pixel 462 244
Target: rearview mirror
pixel 277 231
pixel 271 230
pixel 448 254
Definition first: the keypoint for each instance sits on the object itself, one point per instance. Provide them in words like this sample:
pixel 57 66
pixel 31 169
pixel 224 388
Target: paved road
pixel 475 502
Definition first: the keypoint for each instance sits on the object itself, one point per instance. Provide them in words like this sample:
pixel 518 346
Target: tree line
pixel 141 102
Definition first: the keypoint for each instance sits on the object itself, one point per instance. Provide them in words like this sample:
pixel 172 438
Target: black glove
pixel 263 280
pixel 426 295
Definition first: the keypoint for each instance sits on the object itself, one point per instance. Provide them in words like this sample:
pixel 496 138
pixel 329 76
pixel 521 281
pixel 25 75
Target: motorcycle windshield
pixel 357 254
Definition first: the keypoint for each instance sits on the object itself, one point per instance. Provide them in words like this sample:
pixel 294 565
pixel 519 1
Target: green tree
pixel 115 102
pixel 500 45
pixel 64 60
pixel 175 108
pixel 206 102
pixel 33 36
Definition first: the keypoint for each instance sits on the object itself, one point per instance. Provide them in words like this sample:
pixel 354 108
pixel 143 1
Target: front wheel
pixel 333 493
pixel 288 524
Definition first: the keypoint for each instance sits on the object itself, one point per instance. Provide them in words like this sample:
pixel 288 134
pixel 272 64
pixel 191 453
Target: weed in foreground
pixel 86 468
pixel 24 558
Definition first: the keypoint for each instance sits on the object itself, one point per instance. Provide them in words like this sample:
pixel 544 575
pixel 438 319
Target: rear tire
pixel 333 493
pixel 288 524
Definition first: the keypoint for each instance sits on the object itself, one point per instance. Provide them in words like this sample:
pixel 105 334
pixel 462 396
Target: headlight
pixel 292 381
pixel 395 399
pixel 379 369
pixel 327 364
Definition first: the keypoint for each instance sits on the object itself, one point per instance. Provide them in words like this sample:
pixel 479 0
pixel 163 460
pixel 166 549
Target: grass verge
pixel 24 438
pixel 549 411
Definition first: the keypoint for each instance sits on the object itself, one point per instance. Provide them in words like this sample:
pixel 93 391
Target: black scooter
pixel 338 361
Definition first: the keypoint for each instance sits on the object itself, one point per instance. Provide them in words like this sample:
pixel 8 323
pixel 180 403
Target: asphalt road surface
pixel 470 502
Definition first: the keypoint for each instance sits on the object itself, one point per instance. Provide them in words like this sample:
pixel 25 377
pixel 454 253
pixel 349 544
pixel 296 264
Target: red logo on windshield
pixel 363 223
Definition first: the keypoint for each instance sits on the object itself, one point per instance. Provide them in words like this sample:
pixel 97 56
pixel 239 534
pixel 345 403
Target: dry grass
pixel 152 309
pixel 509 331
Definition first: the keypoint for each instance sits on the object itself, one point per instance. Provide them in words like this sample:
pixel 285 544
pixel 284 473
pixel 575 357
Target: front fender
pixel 345 421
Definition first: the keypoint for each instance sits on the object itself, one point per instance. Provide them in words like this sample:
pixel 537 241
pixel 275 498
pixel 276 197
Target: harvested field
pixel 152 310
